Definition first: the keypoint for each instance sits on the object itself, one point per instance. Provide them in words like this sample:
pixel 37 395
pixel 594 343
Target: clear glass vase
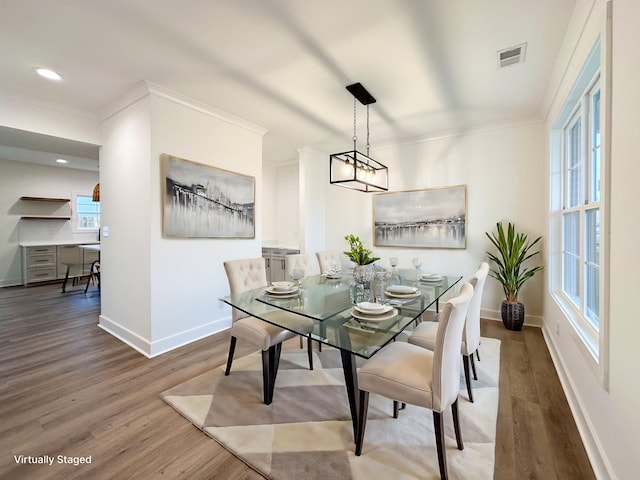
pixel 361 289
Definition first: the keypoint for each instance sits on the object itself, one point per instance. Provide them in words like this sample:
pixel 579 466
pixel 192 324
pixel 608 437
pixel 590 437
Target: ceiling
pixel 284 64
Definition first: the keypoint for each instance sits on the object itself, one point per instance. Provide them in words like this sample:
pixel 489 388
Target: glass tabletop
pixel 328 303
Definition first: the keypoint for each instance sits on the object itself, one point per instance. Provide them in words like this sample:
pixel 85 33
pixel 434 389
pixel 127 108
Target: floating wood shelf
pixel 33 217
pixel 45 199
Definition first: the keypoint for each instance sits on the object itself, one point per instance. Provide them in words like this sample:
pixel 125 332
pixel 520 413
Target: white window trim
pixel 593 345
pixel 74 212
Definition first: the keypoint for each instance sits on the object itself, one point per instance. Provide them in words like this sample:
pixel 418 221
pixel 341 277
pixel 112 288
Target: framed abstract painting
pixel 201 201
pixel 430 218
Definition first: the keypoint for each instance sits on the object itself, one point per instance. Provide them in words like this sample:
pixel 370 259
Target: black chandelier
pixel 353 169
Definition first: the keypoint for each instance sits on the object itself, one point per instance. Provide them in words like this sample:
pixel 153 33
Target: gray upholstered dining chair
pixel 417 376
pixel 425 334
pixel 247 274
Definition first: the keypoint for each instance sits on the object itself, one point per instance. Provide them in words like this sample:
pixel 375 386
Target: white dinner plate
pixel 403 295
pixel 401 289
pixel 332 276
pixel 373 318
pixel 279 291
pixel 430 277
pixel 279 296
pixel 370 310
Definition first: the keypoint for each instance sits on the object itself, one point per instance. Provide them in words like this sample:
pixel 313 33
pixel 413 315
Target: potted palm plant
pixel 514 249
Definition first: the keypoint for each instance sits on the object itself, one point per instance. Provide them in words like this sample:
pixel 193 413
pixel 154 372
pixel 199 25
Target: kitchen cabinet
pixel 78 259
pixel 38 264
pixel 275 264
pixel 43 263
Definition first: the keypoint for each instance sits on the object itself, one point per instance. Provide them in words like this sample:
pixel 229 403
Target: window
pixel 581 211
pixel 87 213
pixel 577 210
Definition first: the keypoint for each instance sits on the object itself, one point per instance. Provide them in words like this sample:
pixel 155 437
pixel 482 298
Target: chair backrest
pixel 243 275
pixel 309 264
pixel 446 354
pixel 325 260
pixel 471 335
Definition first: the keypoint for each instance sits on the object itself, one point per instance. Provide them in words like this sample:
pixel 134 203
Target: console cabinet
pixel 274 262
pixel 38 264
pixel 49 262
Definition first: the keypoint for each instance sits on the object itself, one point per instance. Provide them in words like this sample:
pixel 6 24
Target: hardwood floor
pixel 69 388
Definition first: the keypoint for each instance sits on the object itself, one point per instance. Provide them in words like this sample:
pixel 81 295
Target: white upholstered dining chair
pixel 328 258
pixel 308 263
pixel 424 334
pixel 247 274
pixel 411 374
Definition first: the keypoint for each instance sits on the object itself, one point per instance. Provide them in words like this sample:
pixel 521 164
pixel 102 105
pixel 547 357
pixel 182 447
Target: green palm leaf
pixel 514 250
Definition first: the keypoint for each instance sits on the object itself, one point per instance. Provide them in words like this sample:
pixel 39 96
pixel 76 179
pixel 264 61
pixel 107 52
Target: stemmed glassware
pixel 333 268
pixel 395 276
pixel 297 273
pixel 417 263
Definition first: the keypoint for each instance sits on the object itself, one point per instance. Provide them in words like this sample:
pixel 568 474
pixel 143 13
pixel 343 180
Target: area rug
pixel 306 433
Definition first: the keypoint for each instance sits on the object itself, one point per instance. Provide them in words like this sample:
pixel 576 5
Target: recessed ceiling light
pixel 61 160
pixel 50 74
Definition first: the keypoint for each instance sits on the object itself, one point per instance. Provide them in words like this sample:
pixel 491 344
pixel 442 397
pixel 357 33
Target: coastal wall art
pixel 430 218
pixel 204 201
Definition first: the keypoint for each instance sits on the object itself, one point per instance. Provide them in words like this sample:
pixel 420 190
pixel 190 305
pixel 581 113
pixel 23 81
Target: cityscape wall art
pixel 204 201
pixel 430 218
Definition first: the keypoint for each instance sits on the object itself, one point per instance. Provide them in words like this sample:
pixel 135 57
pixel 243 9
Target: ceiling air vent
pixel 512 55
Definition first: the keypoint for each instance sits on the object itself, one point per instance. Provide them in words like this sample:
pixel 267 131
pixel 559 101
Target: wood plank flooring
pixel 69 388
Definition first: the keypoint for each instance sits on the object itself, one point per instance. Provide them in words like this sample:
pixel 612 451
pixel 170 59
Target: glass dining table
pixel 328 303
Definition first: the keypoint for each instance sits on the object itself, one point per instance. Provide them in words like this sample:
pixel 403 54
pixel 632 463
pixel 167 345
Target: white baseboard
pixel 158 347
pixel 177 340
pixel 599 462
pixel 530 320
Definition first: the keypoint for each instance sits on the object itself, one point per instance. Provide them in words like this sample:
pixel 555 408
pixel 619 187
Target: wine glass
pixel 395 277
pixel 333 268
pixel 297 273
pixel 417 263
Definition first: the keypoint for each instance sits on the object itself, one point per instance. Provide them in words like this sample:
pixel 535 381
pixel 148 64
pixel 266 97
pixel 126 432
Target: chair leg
pixel 456 424
pixel 478 354
pixel 467 377
pixel 396 408
pixel 309 351
pixel 473 367
pixel 362 420
pixel 232 347
pixel 438 427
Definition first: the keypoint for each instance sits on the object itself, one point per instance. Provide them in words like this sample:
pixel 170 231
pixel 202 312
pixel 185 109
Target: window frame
pixel 75 214
pixel 592 342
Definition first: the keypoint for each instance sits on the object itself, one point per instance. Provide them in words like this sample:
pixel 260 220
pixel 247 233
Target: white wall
pixel 163 292
pixel 19 179
pixel 281 205
pixel 608 419
pixel 503 169
pixel 36 115
pixel 125 198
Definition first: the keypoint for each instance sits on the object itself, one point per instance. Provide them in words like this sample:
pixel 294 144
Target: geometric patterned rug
pixel 306 433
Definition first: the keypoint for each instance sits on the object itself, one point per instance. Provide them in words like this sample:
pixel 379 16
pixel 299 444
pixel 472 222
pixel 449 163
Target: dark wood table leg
pixel 351 382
